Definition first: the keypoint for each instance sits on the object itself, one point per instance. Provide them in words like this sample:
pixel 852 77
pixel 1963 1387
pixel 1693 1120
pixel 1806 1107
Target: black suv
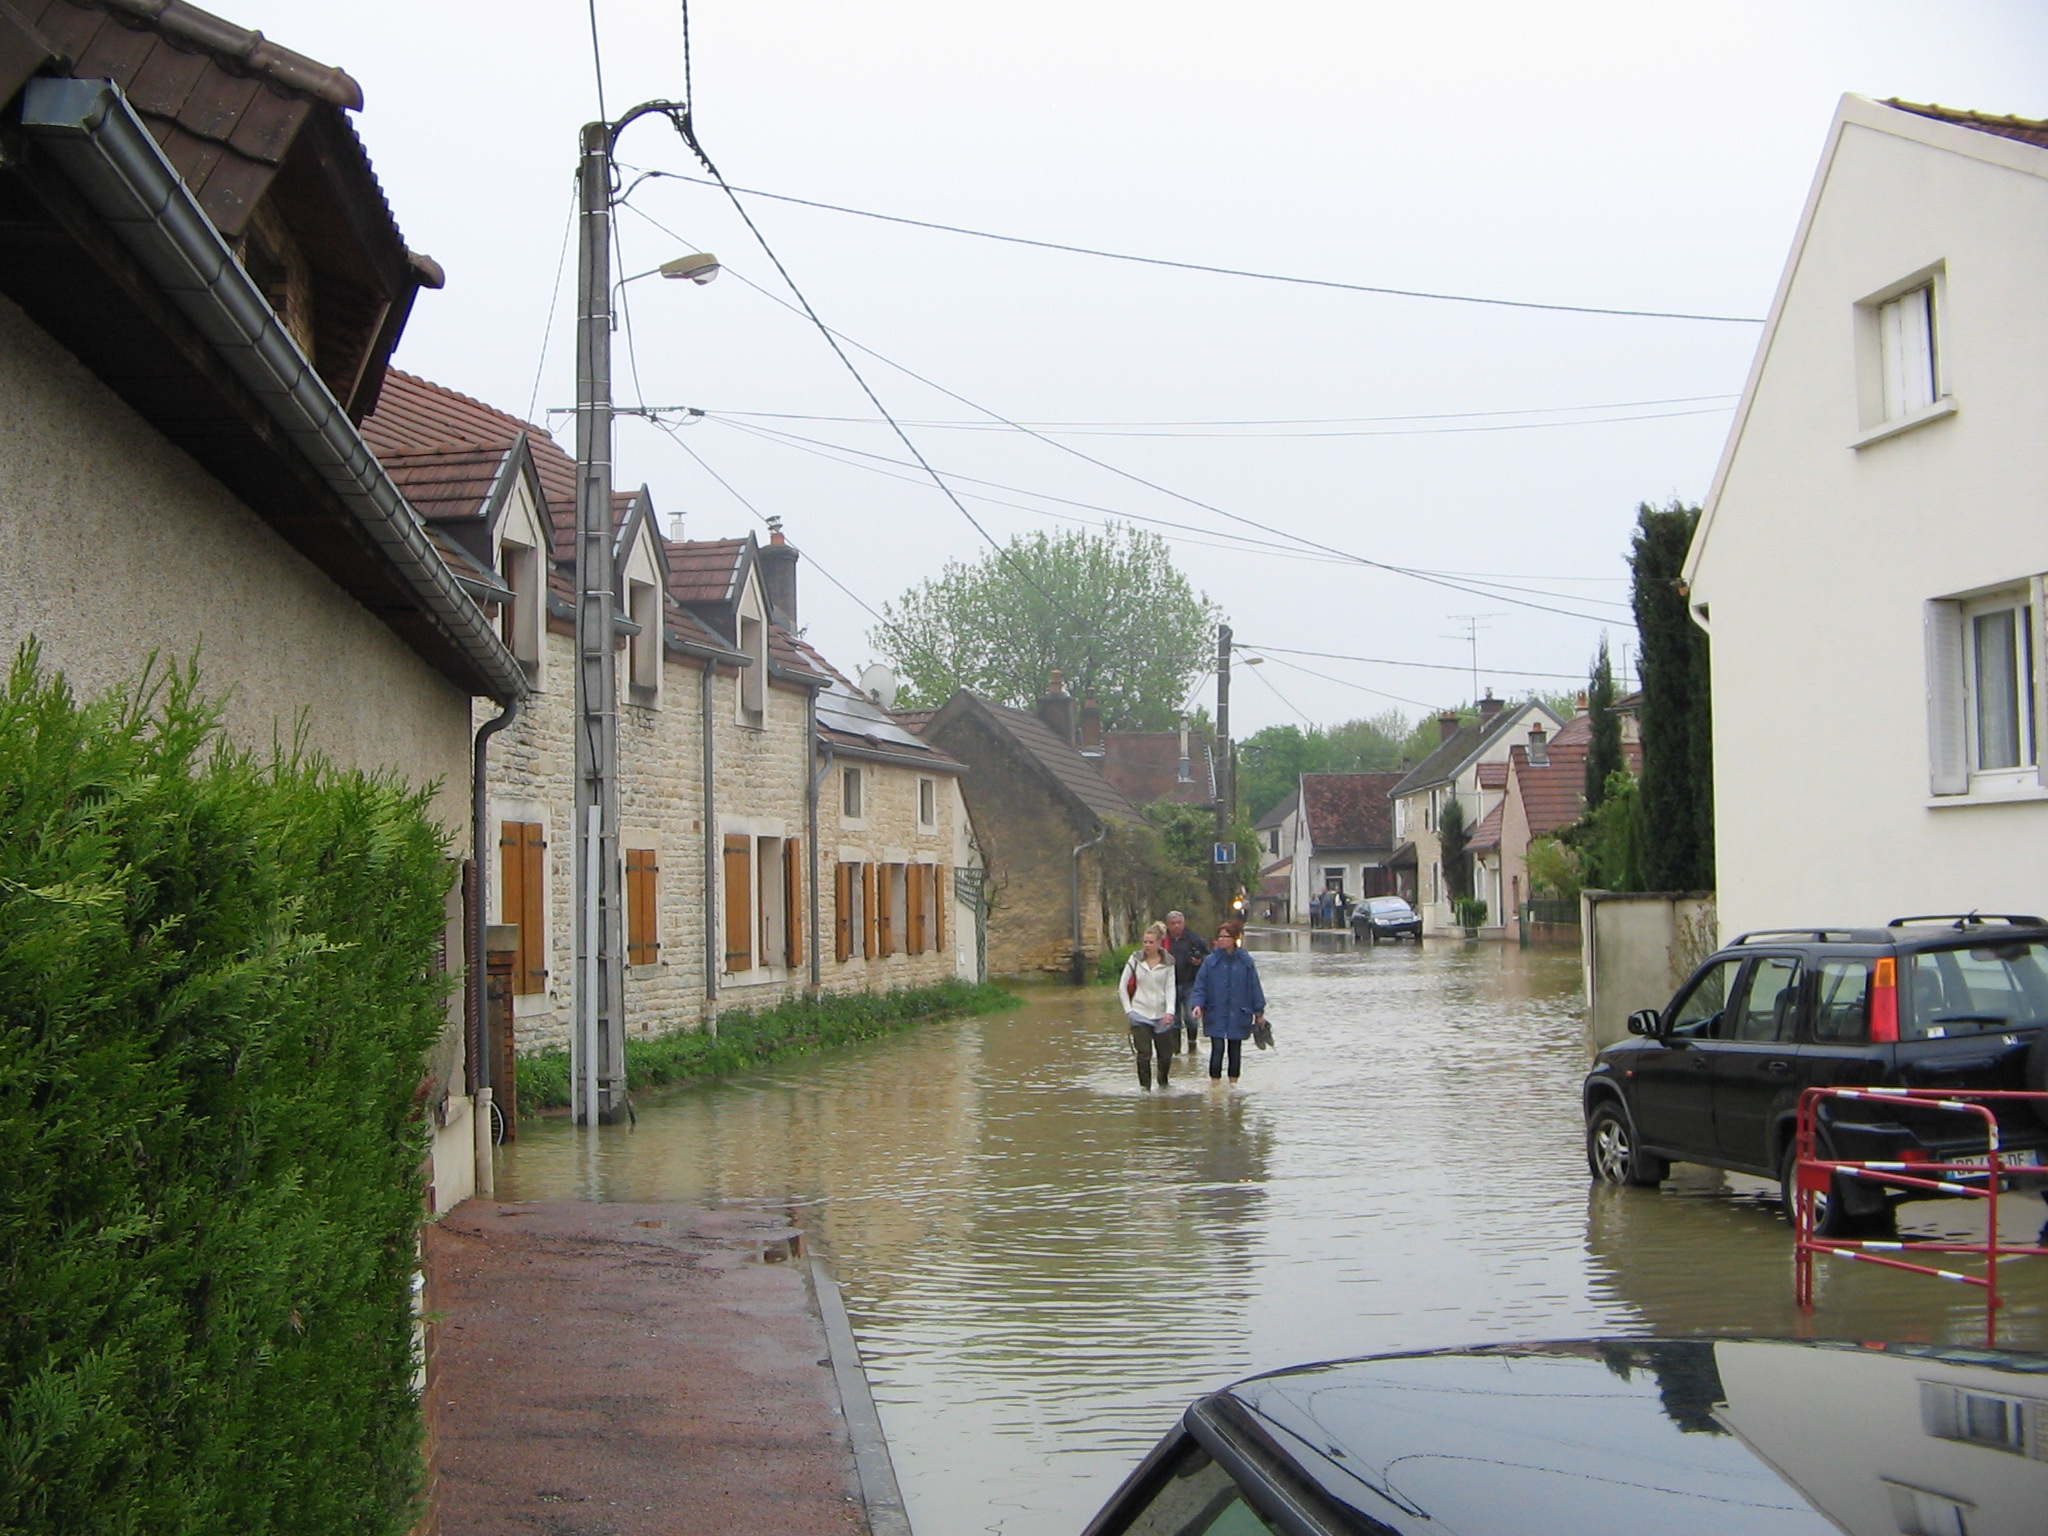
pixel 1927 1002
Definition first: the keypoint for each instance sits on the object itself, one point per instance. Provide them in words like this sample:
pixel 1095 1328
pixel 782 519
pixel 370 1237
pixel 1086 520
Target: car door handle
pixel 1780 1068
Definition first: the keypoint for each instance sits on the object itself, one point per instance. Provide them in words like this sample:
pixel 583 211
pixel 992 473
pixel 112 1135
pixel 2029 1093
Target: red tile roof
pixel 2026 129
pixel 1553 796
pixel 428 434
pixel 1145 765
pixel 1486 836
pixel 705 570
pixel 1493 775
pixel 1348 810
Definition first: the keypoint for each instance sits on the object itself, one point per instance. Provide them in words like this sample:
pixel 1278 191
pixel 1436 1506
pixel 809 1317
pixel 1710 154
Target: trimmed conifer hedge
pixel 747 1037
pixel 218 980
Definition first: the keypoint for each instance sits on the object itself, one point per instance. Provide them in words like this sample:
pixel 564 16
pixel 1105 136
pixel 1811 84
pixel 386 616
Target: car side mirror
pixel 1646 1021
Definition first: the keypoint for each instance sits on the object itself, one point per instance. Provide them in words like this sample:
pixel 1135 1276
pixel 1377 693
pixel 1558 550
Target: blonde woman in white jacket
pixel 1146 993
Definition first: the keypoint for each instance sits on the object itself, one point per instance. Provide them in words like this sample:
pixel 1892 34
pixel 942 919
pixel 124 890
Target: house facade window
pixel 519 621
pixel 763 903
pixel 1333 877
pixel 1907 361
pixel 852 795
pixel 643 651
pixel 928 803
pixel 523 899
pixel 1984 691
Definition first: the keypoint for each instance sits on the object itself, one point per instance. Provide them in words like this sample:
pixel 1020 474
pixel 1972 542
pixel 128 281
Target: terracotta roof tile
pixel 705 570
pixel 1348 810
pixel 418 422
pixel 1493 775
pixel 446 486
pixel 1553 796
pixel 1486 836
pixel 2026 129
pixel 1145 766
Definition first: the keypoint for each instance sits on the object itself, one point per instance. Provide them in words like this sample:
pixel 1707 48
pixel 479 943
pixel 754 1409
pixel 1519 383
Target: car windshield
pixel 1975 987
pixel 1388 906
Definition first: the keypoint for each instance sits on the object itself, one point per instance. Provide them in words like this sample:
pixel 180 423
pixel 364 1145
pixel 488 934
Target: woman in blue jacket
pixel 1228 1000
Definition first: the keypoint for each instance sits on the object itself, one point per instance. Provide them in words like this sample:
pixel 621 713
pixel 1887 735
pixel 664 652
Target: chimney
pixel 778 575
pixel 1056 709
pixel 1580 706
pixel 1489 710
pixel 1539 747
pixel 1186 775
pixel 1446 725
pixel 675 528
pixel 1091 725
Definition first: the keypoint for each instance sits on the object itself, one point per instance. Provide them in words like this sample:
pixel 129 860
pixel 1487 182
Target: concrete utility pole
pixel 597 1049
pixel 1226 776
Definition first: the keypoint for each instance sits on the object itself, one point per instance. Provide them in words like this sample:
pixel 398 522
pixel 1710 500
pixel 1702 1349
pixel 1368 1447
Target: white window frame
pixel 927 804
pixel 644 650
pixel 1954 747
pixel 1902 360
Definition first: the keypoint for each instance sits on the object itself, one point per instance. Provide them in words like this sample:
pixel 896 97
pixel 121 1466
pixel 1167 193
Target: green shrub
pixel 1110 964
pixel 1469 911
pixel 218 981
pixel 746 1037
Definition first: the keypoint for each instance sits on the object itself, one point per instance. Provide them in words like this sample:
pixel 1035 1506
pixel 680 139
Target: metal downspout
pixel 710 850
pixel 1078 963
pixel 817 783
pixel 479 1015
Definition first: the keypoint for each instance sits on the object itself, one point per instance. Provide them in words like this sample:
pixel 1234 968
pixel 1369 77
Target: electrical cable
pixel 597 64
pixel 1261 676
pixel 1503 426
pixel 1198 266
pixel 1431 666
pixel 1378 693
pixel 554 299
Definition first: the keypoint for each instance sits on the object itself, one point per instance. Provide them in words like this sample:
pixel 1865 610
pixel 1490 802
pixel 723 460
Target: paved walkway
pixel 642 1370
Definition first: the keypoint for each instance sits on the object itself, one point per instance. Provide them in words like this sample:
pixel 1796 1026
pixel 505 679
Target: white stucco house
pixel 1870 559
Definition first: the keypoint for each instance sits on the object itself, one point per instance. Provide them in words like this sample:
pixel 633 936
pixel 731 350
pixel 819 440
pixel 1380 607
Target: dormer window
pixel 519 621
pixel 752 637
pixel 643 607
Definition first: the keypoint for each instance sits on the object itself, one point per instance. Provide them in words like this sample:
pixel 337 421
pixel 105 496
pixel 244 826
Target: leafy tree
pixel 1609 847
pixel 1553 866
pixel 1108 609
pixel 1603 753
pixel 1270 763
pixel 1677 794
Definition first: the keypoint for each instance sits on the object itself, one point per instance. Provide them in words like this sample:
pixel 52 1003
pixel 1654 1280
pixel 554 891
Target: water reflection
pixel 1044 1264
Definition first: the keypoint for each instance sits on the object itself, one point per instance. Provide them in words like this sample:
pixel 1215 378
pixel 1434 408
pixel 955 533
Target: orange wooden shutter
pixel 913 902
pixel 739 905
pixel 642 948
pixel 938 883
pixel 885 914
pixel 871 920
pixel 793 900
pixel 842 912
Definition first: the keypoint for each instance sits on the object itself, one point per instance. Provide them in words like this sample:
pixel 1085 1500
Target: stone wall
pixel 888 832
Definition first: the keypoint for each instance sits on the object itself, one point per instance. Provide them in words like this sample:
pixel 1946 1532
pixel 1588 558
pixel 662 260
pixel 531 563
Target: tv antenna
pixel 1473 622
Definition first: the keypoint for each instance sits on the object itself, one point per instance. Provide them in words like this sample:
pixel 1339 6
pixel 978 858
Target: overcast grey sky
pixel 1620 155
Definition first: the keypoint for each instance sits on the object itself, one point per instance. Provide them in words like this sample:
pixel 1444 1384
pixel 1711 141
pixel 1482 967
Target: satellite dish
pixel 879 684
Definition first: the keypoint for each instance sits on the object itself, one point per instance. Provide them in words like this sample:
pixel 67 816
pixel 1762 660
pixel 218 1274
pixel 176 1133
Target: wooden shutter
pixel 938 884
pixel 885 909
pixel 739 904
pixel 913 903
pixel 793 901
pixel 642 947
pixel 1948 766
pixel 842 912
pixel 871 919
pixel 523 887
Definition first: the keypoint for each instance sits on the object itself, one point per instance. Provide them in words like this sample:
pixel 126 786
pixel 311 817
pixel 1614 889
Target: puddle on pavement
pixel 1044 1264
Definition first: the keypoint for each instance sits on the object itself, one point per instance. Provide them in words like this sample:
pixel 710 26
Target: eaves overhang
pixel 101 148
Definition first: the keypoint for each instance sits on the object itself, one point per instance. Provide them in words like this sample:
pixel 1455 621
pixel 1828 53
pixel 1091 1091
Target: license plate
pixel 2018 1158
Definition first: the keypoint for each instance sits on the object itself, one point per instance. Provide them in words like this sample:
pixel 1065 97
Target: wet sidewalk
pixel 643 1370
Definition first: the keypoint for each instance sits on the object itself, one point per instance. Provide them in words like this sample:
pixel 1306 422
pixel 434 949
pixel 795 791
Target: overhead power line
pixel 1200 266
pixel 1428 666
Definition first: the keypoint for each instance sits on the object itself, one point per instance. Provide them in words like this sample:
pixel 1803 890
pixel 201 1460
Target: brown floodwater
pixel 1044 1264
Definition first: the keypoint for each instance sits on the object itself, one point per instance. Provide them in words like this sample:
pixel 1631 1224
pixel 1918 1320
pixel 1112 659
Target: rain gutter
pixel 95 138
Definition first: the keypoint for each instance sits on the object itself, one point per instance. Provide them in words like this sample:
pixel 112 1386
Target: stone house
pixel 1041 813
pixel 735 845
pixel 1545 792
pixel 1878 734
pixel 200 287
pixel 1470 764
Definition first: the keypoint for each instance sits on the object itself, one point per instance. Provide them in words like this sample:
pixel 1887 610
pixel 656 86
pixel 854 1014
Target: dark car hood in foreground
pixel 1680 1437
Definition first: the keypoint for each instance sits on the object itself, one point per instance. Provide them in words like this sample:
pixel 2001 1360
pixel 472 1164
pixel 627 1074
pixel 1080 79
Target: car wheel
pixel 1829 1218
pixel 1612 1154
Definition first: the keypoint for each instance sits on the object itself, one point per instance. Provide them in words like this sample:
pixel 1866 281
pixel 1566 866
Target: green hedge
pixel 746 1037
pixel 218 981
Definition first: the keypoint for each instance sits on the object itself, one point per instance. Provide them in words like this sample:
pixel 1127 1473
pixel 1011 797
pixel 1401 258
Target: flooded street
pixel 1044 1264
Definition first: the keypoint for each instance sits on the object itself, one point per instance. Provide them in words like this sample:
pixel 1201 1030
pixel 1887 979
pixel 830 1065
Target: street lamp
pixel 699 267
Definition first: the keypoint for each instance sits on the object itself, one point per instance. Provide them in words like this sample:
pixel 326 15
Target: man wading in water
pixel 1189 950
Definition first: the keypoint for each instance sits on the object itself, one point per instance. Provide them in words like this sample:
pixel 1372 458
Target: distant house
pixel 1545 792
pixel 1041 812
pixel 1279 830
pixel 1151 766
pixel 200 286
pixel 1470 766
pixel 1870 559
pixel 1343 838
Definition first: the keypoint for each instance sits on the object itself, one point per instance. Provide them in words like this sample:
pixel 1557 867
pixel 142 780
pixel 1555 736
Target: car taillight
pixel 1914 1155
pixel 1884 1000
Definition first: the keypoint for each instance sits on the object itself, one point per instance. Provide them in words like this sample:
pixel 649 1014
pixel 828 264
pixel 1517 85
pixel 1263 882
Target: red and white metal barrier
pixel 1814 1176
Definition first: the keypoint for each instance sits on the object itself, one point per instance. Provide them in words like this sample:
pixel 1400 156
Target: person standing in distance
pixel 1146 992
pixel 1189 949
pixel 1228 1000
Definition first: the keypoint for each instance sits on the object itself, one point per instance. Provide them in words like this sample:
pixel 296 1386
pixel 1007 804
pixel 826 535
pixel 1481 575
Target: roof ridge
pixel 247 51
